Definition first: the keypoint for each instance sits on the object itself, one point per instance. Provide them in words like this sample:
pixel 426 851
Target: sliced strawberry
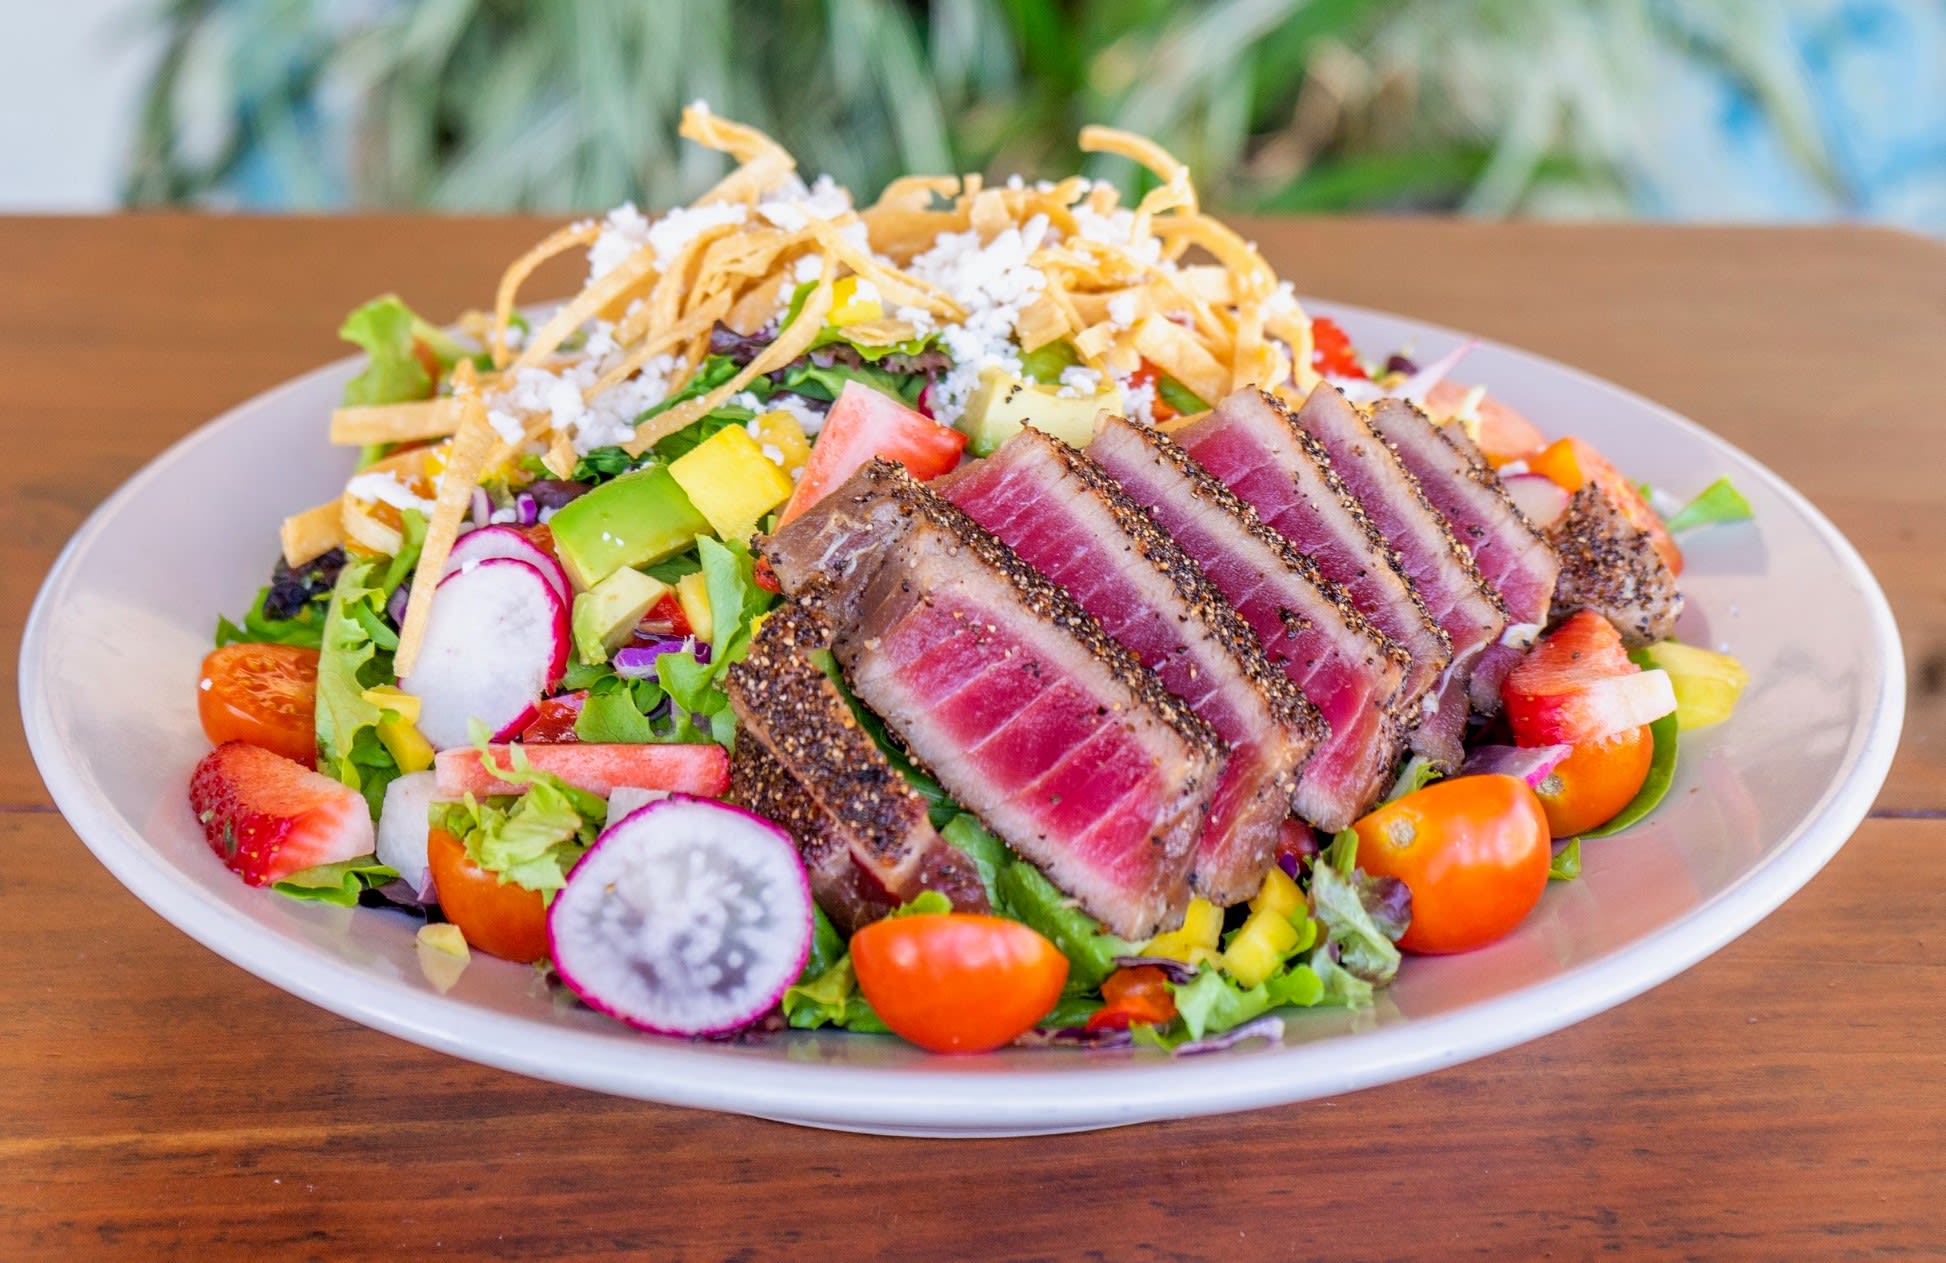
pixel 1578 685
pixel 267 817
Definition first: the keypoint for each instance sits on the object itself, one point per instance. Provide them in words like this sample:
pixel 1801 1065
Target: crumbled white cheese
pixel 810 416
pixel 1122 310
pixel 809 267
pixel 919 318
pixel 993 282
pixel 623 232
pixel 774 454
pixel 794 206
pixel 1139 399
pixel 626 230
pixel 1117 228
pixel 606 422
pixel 385 488
pixel 1078 382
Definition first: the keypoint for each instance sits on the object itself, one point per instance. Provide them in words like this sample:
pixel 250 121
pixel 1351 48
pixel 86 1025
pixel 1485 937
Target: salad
pixel 996 614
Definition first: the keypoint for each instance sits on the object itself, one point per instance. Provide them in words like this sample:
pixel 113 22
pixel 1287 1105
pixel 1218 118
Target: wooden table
pixel 1785 1099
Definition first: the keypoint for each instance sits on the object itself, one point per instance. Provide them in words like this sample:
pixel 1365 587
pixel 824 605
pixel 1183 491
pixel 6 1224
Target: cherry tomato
pixel 1331 352
pixel 957 982
pixel 1472 850
pixel 765 577
pixel 554 719
pixel 1573 464
pixel 263 694
pixel 500 918
pixel 665 618
pixel 1134 996
pixel 1589 786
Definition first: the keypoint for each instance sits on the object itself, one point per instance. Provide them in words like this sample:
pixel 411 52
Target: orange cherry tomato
pixel 500 918
pixel 1472 850
pixel 554 719
pixel 1594 782
pixel 1133 996
pixel 1572 464
pixel 263 694
pixel 956 982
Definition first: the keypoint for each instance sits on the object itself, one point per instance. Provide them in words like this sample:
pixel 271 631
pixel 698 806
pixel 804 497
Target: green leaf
pixel 989 854
pixel 805 378
pixel 1662 773
pixel 339 883
pixel 1417 773
pixel 827 945
pixel 1045 364
pixel 385 329
pixel 1363 947
pixel 1718 502
pixel 1211 1003
pixel 348 664
pixel 927 903
pixel 1341 852
pixel 604 463
pixel 1178 396
pixel 1029 897
pixel 304 629
pixel 1566 865
pixel 612 717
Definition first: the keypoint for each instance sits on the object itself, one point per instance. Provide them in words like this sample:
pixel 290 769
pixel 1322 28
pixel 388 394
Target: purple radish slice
pixel 504 541
pixel 1541 499
pixel 496 641
pixel 686 917
pixel 1532 764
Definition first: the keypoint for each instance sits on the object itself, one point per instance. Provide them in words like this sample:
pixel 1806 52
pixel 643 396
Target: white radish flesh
pixel 625 800
pixel 687 917
pixel 497 639
pixel 403 828
pixel 504 541
pixel 1542 499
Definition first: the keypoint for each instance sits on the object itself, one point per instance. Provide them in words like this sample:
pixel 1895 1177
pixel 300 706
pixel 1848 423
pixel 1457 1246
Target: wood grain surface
pixel 1785 1099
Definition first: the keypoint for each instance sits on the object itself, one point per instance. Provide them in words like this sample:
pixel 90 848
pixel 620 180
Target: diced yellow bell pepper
pixel 692 593
pixel 731 482
pixel 408 746
pixel 783 431
pixel 1195 940
pixel 395 699
pixel 854 300
pixel 1278 894
pixel 1260 947
pixel 1707 684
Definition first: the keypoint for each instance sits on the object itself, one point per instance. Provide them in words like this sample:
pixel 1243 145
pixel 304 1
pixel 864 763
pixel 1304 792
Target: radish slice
pixel 504 541
pixel 497 638
pixel 687 917
pixel 1542 499
pixel 627 799
pixel 403 827
pixel 1531 764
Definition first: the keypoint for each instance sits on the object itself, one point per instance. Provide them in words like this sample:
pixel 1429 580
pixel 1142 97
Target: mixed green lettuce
pixel 355 648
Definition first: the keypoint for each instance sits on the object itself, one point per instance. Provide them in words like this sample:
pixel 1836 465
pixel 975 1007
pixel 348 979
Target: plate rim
pixel 950 1098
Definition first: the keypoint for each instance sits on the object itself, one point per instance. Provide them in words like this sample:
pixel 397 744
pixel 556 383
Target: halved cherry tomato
pixel 957 982
pixel 263 694
pixel 1573 464
pixel 500 918
pixel 862 425
pixel 665 618
pixel 1134 996
pixel 765 577
pixel 1587 788
pixel 1473 851
pixel 1331 352
pixel 554 719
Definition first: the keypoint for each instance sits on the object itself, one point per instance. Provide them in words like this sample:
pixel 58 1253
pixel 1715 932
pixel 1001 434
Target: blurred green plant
pixel 1490 106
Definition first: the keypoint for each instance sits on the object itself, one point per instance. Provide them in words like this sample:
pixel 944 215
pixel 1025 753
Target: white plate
pixel 107 677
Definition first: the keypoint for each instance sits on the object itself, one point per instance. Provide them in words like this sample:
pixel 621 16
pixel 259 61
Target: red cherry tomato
pixel 1472 850
pixel 1133 996
pixel 957 982
pixel 1331 352
pixel 665 618
pixel 263 694
pixel 500 918
pixel 1587 788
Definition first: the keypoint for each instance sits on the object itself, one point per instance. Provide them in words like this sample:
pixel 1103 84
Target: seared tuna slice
pixel 1027 712
pixel 1069 520
pixel 1517 562
pixel 1251 445
pixel 803 761
pixel 1442 571
pixel 1611 567
pixel 1348 669
pixel 759 782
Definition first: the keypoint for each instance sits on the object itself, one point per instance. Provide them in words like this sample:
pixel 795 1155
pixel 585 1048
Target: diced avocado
pixel 692 593
pixel 731 482
pixel 606 614
pixel 639 518
pixel 1002 403
pixel 1706 684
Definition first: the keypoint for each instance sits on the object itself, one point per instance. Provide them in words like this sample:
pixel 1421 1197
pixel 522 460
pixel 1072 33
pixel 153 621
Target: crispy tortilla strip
pixel 586 305
pixel 642 352
pixel 366 531
pixel 916 193
pixel 309 535
pixel 1175 351
pixel 394 422
pixel 790 344
pixel 560 459
pixel 473 446
pixel 896 287
pixel 559 241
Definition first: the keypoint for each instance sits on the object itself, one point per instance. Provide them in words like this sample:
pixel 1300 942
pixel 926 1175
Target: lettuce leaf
pixel 1566 864
pixel 989 854
pixel 1364 948
pixel 1178 396
pixel 386 329
pixel 802 377
pixel 695 688
pixel 304 629
pixel 534 839
pixel 1211 1003
pixel 1027 896
pixel 351 659
pixel 339 883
